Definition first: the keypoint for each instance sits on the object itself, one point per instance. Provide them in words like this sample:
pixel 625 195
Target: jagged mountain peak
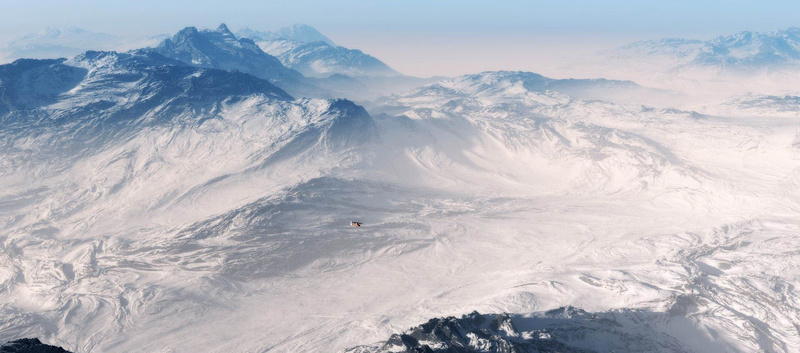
pixel 220 49
pixel 189 30
pixel 223 28
pixel 195 36
pixel 157 67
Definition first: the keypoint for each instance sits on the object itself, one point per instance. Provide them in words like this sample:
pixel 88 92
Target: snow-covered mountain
pixel 303 48
pixel 672 47
pixel 52 43
pixel 220 49
pixel 296 33
pixel 179 199
pixel 524 114
pixel 147 196
pixel 122 136
pixel 740 53
pixel 744 51
pixel 323 59
pixel 752 104
pixel 514 82
pixel 336 69
pixel 104 97
pixel 757 62
pixel 753 50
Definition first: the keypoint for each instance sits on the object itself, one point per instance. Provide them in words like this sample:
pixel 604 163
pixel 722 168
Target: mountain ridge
pixel 316 55
pixel 746 50
pixel 298 33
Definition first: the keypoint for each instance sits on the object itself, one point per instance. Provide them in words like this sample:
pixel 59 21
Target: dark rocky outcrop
pixel 563 330
pixel 30 345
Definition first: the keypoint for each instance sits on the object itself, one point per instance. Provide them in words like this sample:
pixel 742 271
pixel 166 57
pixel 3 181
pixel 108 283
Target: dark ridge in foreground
pixel 30 345
pixel 563 330
pixel 471 333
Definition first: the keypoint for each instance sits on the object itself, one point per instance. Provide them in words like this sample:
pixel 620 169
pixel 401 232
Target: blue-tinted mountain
pixel 493 83
pixel 322 59
pixel 304 49
pixel 753 50
pixel 52 43
pixel 220 49
pixel 65 108
pixel 117 87
pixel 744 51
pixel 298 33
pixel 97 98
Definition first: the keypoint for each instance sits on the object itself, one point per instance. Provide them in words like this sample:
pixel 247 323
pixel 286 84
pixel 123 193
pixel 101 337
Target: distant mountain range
pixel 513 83
pixel 220 49
pixel 298 33
pixel 320 59
pixel 52 43
pixel 299 47
pixel 304 49
pixel 299 59
pixel 346 68
pixel 744 51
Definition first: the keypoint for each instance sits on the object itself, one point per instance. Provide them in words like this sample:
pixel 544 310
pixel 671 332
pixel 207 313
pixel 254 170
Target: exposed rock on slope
pixel 220 49
pixel 563 330
pixel 30 345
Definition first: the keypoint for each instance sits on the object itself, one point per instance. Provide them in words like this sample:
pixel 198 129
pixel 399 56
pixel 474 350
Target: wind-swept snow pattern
pixel 179 199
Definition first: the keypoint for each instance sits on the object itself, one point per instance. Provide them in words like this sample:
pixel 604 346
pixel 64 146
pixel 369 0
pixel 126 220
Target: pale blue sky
pixel 402 33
